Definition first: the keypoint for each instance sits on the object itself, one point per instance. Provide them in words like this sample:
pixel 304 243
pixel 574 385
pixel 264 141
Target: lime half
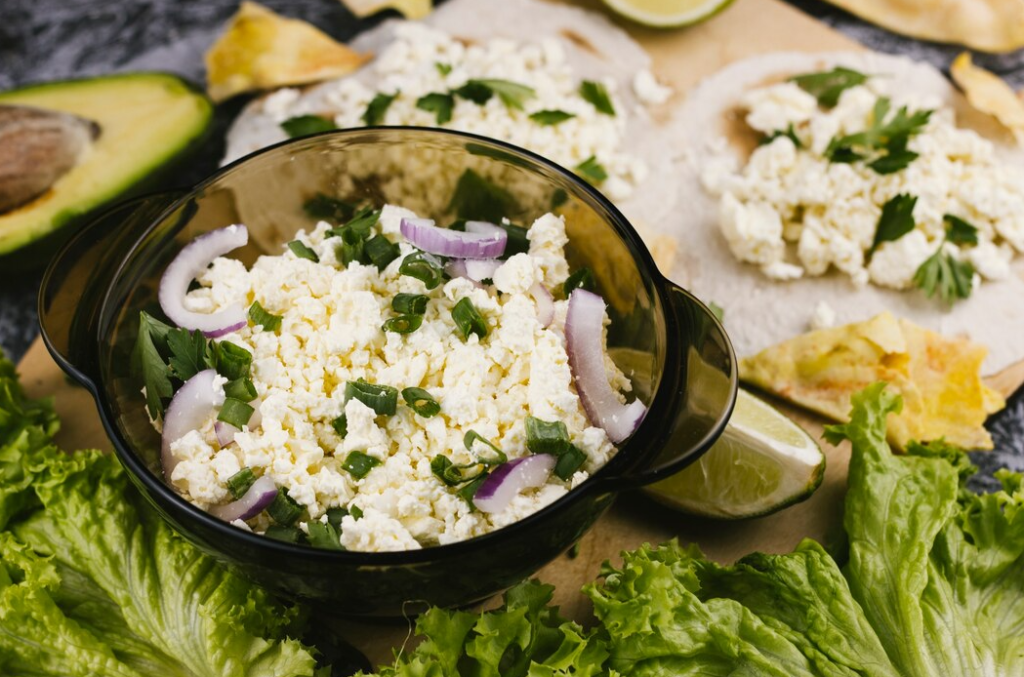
pixel 668 13
pixel 762 463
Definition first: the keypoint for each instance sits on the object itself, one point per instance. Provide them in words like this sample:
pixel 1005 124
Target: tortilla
pixel 594 47
pixel 986 25
pixel 989 94
pixel 760 312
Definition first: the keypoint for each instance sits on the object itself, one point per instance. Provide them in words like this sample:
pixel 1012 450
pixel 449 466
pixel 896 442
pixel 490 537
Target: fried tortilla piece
pixel 938 377
pixel 410 9
pixel 263 50
pixel 985 25
pixel 989 94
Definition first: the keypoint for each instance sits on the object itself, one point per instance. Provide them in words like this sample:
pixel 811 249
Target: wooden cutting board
pixel 681 58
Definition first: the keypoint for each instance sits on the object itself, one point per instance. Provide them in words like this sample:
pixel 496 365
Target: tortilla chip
pixel 410 9
pixel 938 377
pixel 985 25
pixel 989 94
pixel 263 50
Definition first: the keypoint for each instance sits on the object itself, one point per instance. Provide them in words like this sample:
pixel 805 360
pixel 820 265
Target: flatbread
pixel 760 312
pixel 595 48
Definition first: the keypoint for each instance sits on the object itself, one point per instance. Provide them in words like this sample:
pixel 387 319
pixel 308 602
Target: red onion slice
pixel 190 262
pixel 584 329
pixel 510 479
pixel 189 409
pixel 260 495
pixel 545 304
pixel 446 242
pixel 225 433
pixel 481 269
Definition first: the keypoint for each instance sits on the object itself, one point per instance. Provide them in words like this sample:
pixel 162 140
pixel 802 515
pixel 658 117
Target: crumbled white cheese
pixel 649 90
pixel 824 316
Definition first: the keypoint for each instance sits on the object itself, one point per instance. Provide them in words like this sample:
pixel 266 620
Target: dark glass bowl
pixel 674 350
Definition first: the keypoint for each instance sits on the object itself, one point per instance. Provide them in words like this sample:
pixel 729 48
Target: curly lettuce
pixel 93 582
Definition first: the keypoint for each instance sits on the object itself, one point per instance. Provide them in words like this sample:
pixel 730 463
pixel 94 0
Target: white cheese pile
pixel 793 213
pixel 331 334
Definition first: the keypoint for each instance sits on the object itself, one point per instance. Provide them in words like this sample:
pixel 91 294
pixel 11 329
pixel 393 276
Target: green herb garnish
pixel 446 471
pixel 717 310
pixel 284 510
pixel 942 272
pixel 356 512
pixel 897 220
pixel 592 170
pixel 425 269
pixel 147 361
pixel 403 324
pixel 551 117
pixel 340 425
pixel 259 316
pixel 439 104
pixel 409 304
pixel 958 231
pixel 420 401
pixel 893 161
pixel 597 95
pixel 328 208
pixel 376 109
pixel 558 198
pixel 443 68
pixel 241 389
pixel 826 87
pixel 324 536
pixel 302 250
pixel 583 278
pixel 473 437
pixel 885 142
pixel 334 517
pixel 235 412
pixel 381 251
pixel 468 319
pixel 512 94
pixel 467 492
pixel 359 464
pixel 190 353
pixel 233 362
pixel 475 92
pixel 788 132
pixel 546 437
pixel 382 399
pixel 569 462
pixel 304 125
pixel 285 534
pixel 240 482
pixel 476 198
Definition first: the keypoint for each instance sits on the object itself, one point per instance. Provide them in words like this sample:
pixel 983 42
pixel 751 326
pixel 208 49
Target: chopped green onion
pixel 302 250
pixel 240 482
pixel 285 534
pixel 356 512
pixel 324 536
pixel 241 389
pixel 403 324
pixel 409 304
pixel 569 462
pixel 382 399
pixel 445 470
pixel 543 437
pixel 232 361
pixel 420 401
pixel 581 279
pixel 334 517
pixel 468 319
pixel 363 222
pixel 340 425
pixel 467 492
pixel 359 464
pixel 284 509
pixel 349 253
pixel 472 437
pixel 418 266
pixel 258 316
pixel 235 412
pixel 380 251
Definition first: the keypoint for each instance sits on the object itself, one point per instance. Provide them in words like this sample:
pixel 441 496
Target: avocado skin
pixel 37 251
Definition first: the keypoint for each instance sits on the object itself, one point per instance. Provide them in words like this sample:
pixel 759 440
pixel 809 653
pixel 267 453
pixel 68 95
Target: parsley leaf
pixel 883 141
pixel 304 125
pixel 943 273
pixel 597 95
pixel 191 353
pixel 893 162
pixel 959 231
pixel 438 103
pixel 826 87
pixel 474 91
pixel 592 170
pixel 443 68
pixel 788 132
pixel 550 117
pixel 374 114
pixel 147 361
pixel 897 220
pixel 512 94
pixel 476 198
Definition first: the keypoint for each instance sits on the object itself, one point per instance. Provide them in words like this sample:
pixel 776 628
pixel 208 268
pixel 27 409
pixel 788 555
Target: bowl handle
pixel 701 379
pixel 77 279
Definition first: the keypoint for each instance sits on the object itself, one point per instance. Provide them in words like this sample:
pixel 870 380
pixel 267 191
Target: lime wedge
pixel 762 463
pixel 668 13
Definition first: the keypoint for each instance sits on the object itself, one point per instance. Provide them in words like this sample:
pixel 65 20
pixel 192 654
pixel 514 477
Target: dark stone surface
pixel 57 39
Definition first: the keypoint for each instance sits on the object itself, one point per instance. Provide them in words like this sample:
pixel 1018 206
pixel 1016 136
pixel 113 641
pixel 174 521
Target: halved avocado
pixel 146 120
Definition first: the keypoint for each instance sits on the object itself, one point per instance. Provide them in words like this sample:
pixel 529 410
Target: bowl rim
pixel 172 499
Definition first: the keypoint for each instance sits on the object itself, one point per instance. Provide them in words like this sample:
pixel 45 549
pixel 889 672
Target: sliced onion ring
pixel 225 433
pixel 510 479
pixel 584 331
pixel 446 242
pixel 189 263
pixel 545 304
pixel 189 409
pixel 485 228
pixel 260 495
